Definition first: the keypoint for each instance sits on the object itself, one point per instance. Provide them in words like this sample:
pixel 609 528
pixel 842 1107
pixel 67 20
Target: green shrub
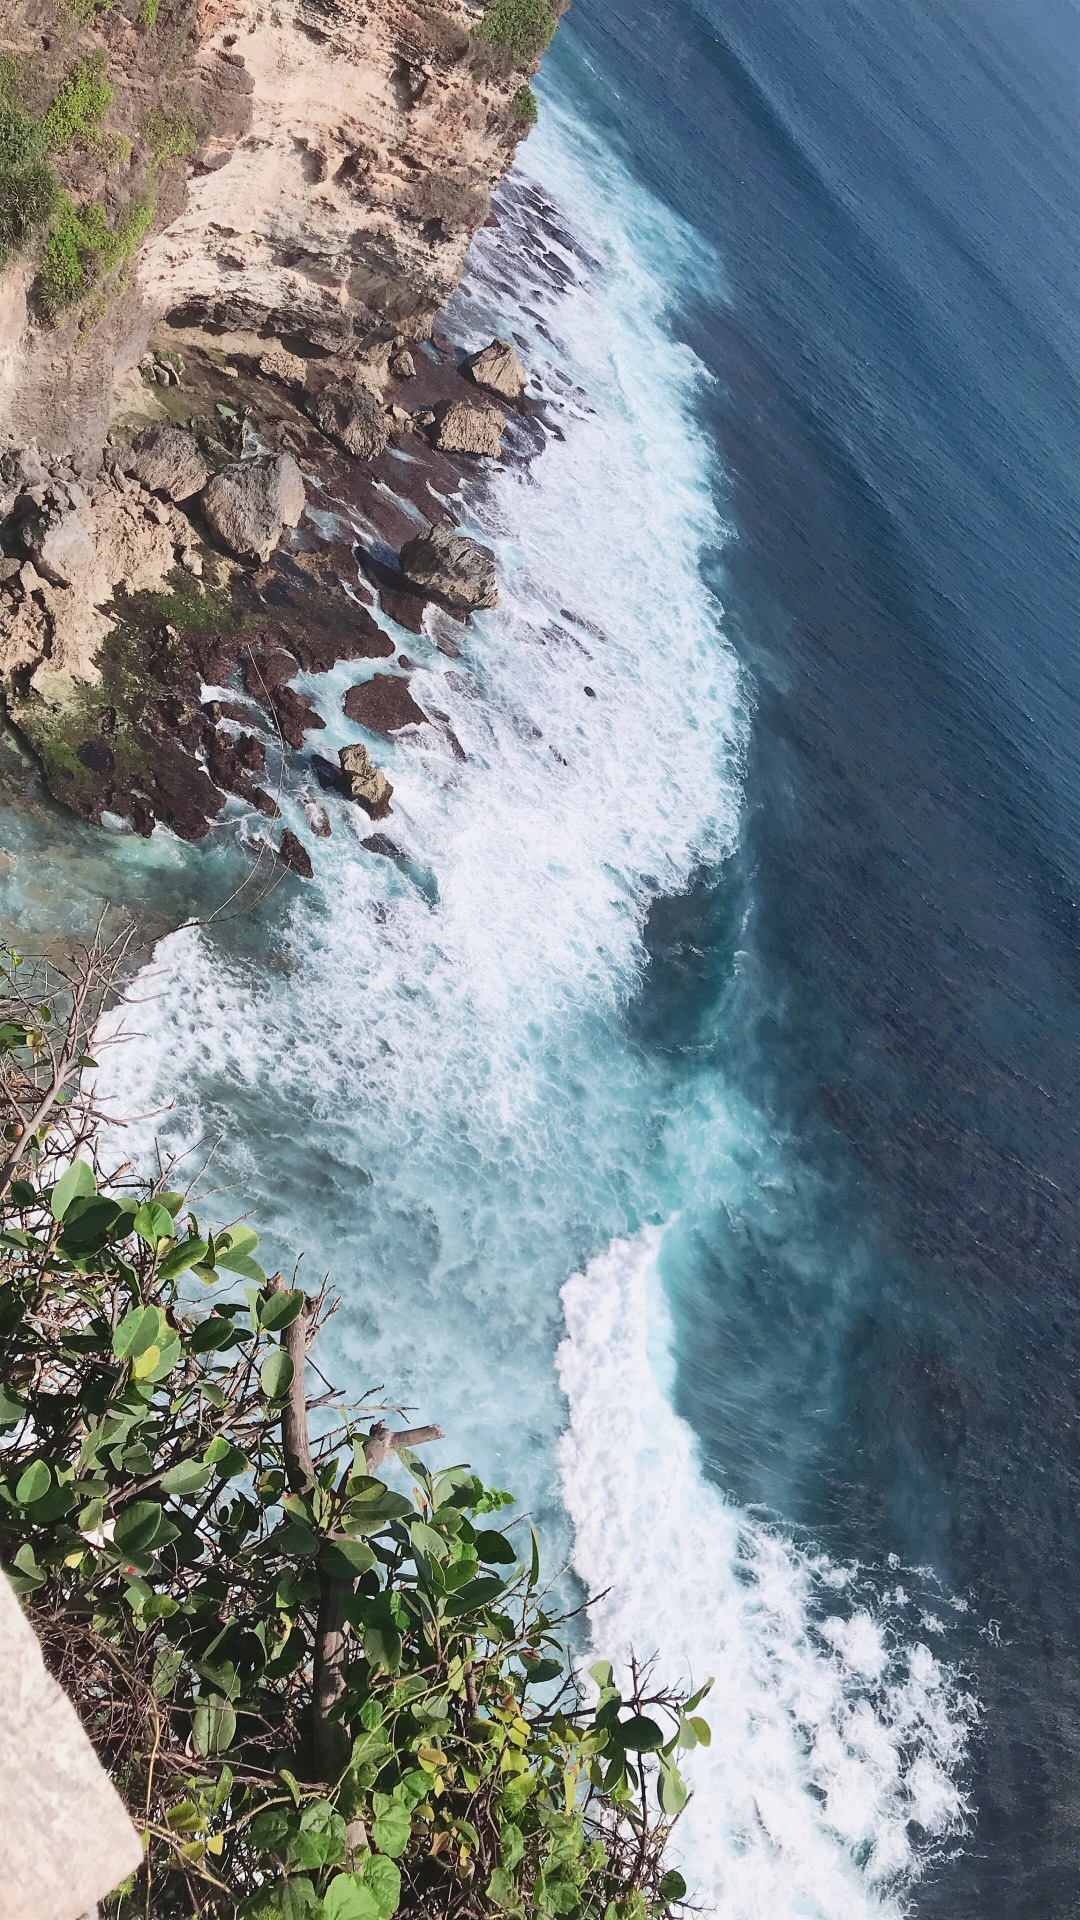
pixel 27 182
pixel 520 28
pixel 83 249
pixel 148 14
pixel 80 106
pixel 524 105
pixel 320 1697
pixel 172 135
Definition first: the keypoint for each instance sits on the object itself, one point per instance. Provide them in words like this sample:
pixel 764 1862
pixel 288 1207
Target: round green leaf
pixel 138 1330
pixel 212 1728
pixel 34 1483
pixel 275 1374
pixel 138 1526
pixel 638 1734
pixel 78 1180
pixel 280 1310
pixel 153 1222
pixel 495 1548
pixel 391 1829
pixel 189 1476
pixel 384 1879
pixel 673 1886
pixel 347 1898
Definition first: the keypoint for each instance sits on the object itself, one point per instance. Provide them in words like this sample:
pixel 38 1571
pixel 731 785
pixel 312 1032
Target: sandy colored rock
pixel 365 782
pixel 402 364
pixel 353 417
pixel 498 368
pixel 57 630
pixel 250 504
pixel 167 460
pixel 52 536
pixel 383 704
pixel 452 568
pixel 65 1839
pixel 463 428
pixel 277 363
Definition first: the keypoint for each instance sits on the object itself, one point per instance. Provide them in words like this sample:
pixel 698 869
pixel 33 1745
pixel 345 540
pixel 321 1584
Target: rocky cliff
pixel 307 170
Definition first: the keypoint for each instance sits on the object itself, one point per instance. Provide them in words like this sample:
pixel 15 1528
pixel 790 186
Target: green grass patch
pixel 188 606
pixel 172 136
pixel 83 249
pixel 520 28
pixel 524 105
pixel 79 107
pixel 148 14
pixel 28 186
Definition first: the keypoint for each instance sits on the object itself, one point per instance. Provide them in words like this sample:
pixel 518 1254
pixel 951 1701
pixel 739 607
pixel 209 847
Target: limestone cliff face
pixel 343 156
pixel 351 199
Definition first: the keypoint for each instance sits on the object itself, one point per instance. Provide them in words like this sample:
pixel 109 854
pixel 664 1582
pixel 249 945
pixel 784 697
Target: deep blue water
pixel 889 968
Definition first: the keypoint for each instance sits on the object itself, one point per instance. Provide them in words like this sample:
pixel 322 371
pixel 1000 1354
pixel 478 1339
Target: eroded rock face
pixel 250 504
pixel 451 568
pixel 353 417
pixel 461 428
pixel 365 782
pixel 497 367
pixel 167 460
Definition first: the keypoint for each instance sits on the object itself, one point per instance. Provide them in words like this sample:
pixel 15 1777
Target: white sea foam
pixel 831 1778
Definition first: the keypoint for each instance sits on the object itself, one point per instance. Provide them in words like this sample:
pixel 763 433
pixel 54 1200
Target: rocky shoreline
pixel 156 607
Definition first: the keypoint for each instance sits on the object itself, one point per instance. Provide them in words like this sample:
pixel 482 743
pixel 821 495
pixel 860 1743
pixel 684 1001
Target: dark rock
pixel 268 668
pixel 450 567
pixel 265 802
pixel 167 460
pixel 353 417
pixel 379 843
pixel 296 714
pixel 249 505
pixel 383 705
pixel 295 855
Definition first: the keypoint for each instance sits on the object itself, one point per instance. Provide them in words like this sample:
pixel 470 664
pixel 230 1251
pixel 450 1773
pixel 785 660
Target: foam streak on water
pixel 835 1742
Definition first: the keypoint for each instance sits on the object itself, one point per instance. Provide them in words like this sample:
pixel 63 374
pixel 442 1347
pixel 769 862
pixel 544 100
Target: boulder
pixel 497 366
pixel 364 782
pixel 462 428
pixel 402 364
pixel 249 505
pixel 167 460
pixel 295 855
pixel 450 567
pixel 383 705
pixel 353 417
pixel 51 535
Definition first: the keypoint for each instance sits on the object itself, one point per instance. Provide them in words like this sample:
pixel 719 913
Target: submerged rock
pixel 167 460
pixel 316 816
pixel 365 782
pixel 353 417
pixel 497 366
pixel 451 568
pixel 463 428
pixel 249 505
pixel 383 705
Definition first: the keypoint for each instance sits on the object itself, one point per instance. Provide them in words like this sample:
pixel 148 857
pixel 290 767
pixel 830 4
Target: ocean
pixel 688 1118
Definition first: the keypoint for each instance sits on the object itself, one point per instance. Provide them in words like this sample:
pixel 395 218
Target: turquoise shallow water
pixel 567 1103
